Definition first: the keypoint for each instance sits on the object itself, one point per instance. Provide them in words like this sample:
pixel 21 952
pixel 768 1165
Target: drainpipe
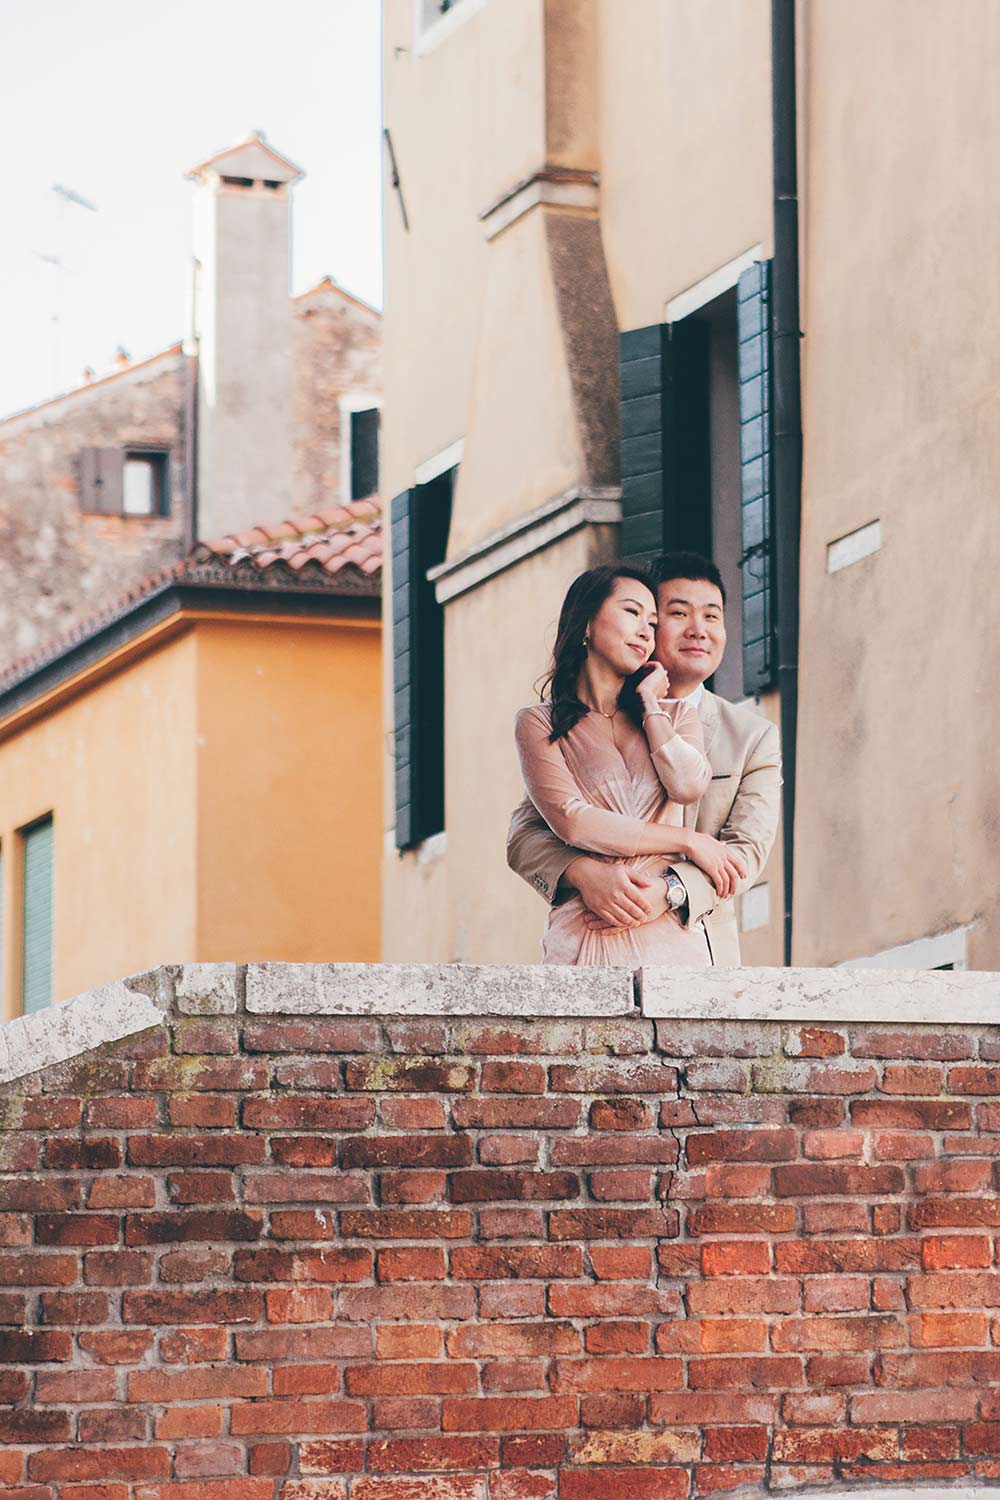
pixel 787 435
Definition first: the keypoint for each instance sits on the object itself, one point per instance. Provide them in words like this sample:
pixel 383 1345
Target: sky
pixel 116 100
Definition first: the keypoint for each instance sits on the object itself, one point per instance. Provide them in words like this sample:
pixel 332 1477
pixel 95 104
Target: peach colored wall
pixel 116 768
pixel 289 792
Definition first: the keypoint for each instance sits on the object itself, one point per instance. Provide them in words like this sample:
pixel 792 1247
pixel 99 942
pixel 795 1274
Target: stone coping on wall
pixel 136 1003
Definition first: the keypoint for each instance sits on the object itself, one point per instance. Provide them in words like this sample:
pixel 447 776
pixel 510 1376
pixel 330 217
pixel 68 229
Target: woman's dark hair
pixel 583 599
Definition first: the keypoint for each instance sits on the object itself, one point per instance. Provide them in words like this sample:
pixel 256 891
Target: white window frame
pixel 709 287
pixel 353 401
pixel 923 953
pixel 429 34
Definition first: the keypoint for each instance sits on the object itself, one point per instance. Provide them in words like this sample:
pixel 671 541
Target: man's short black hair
pixel 687 565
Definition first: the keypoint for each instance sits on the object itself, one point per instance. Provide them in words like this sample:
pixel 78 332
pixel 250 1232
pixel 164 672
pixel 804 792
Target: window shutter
pixel 364 453
pixel 687 450
pixel 36 987
pixel 754 355
pixel 419 525
pixel 641 372
pixel 101 481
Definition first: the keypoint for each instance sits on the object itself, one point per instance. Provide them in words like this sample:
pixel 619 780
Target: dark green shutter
pixel 36 987
pixel 419 526
pixel 641 371
pixel 753 332
pixel 364 453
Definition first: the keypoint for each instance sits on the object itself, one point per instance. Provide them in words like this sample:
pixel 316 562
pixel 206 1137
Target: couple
pixel 651 802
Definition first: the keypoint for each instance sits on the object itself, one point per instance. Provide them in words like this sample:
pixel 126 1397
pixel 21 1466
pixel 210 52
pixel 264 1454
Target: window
pixel 364 453
pixel 696 458
pixel 125 481
pixel 37 926
pixel 420 521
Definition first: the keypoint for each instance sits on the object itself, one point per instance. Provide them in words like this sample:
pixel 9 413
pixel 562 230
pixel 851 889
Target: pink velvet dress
pixel 597 787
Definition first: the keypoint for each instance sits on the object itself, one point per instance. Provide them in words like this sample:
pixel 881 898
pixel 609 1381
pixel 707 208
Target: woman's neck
pixel 598 686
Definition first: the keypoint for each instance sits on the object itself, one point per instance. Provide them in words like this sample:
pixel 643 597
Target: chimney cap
pixel 252 158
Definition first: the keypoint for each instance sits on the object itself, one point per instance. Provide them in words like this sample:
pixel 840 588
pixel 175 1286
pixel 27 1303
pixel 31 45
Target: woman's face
pixel 623 632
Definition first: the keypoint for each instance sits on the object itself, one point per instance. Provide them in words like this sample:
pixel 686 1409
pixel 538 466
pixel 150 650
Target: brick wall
pixel 309 1256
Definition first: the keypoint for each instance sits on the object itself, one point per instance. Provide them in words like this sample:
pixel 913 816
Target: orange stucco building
pixel 203 762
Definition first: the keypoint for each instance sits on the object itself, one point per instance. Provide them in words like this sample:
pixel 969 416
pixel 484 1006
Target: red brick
pixel 835 1216
pixel 708 1409
pixel 619 1412
pixel 201 1187
pixel 923 1443
pixel 973 1080
pixel 812 1257
pixel 33 1269
pixel 33 1112
pixel 312 1034
pixel 737 1182
pixel 408 1341
pixel 273 1344
pixel 812 1180
pixel 741 1218
pixel 511 1223
pixel 736 1444
pixel 736 1258
pixel 101 1463
pixel 611 1301
pixel 744 1374
pixel 271 1458
pixel 113 1424
pixel 814 1041
pixel 407 1151
pixel 532 1450
pixel 836 1294
pixel 742 1145
pixel 300 1304
pixel 511 1299
pixel 126 1113
pixel 613 1223
pixel 122 1191
pixel 710 1479
pixel 814 1411
pixel 515 1114
pixel 404 1303
pixel 887 1294
pixel 413 1114
pixel 521 1484
pixel 623 1078
pixel 913 1406
pixel 218 1305
pixel 953 1176
pixel 189 1422
pixel 887 1218
pixel 33 1347
pixel 815 1114
pixel 207 1459
pixel 508 1150
pixel 301 1224
pixel 490 1186
pixel 307 1112
pixel 432 1455
pixel 211 1111
pixel 412 1187
pixel 410 1075
pixel 622 1262
pixel 35 1427
pixel 403 1224
pixel 745 1294
pixel 423 1263
pixel 448 1378
pixel 513 1078
pixel 227 1075
pixel 917 1042
pixel 306 1187
pixel 620 1114
pixel 210 1383
pixel 912 1114
pixel 172 1228
pixel 196 1150
pixel 117 1268
pixel 13 1387
pixel 306 1380
pixel 117 1346
pixel 829 1145
pixel 511 1340
pixel 955 1213
pixel 211 1489
pixel 834 1445
pixel 731 1335
pixel 912 1371
pixel 952 1251
pixel 955 1289
pixel 621 1187
pixel 405 1413
pixel 76 1229
pixel 193 1346
pixel 614 1150
pixel 513 1375
pixel 325 1264
pixel 194 1265
pixel 508 1414
pixel 617 1338
pixel 876 1331
pixel 903 1145
pixel 494 1262
pixel 652 1374
pixel 826 1370
pixel 91 1154
pixel 942 1330
pixel 396 1487
pixel 623 1484
pixel 74 1387
pixel 297 1417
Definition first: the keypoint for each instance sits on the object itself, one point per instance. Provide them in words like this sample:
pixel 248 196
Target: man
pixel 740 806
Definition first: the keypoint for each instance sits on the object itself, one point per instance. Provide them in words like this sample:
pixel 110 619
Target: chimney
pixel 242 321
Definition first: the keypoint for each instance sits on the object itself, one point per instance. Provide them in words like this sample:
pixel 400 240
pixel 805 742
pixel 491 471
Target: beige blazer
pixel 740 806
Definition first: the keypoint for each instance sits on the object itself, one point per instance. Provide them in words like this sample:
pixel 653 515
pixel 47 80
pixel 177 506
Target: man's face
pixel 691 631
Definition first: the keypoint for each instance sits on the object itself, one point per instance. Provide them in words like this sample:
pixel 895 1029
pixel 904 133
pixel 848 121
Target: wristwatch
pixel 677 895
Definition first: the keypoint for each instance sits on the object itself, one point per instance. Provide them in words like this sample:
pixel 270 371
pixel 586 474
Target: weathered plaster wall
pixel 366 1233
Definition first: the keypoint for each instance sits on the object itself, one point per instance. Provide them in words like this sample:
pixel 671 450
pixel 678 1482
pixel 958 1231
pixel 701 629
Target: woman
pixel 610 761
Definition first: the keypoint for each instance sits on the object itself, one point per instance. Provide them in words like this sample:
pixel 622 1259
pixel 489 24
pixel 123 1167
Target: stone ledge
pixel 915 996
pixel 60 1032
pixel 537 992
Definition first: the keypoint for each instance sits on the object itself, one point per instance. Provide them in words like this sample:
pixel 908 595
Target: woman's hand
pixel 654 686
pixel 718 862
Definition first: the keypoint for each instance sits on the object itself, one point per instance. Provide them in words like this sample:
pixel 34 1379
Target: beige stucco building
pixel 585 271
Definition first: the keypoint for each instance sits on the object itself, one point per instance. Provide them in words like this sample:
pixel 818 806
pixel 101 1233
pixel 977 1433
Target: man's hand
pixel 652 889
pixel 615 895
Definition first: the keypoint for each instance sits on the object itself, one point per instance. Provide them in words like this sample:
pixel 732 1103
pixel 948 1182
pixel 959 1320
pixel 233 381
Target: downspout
pixel 787 396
